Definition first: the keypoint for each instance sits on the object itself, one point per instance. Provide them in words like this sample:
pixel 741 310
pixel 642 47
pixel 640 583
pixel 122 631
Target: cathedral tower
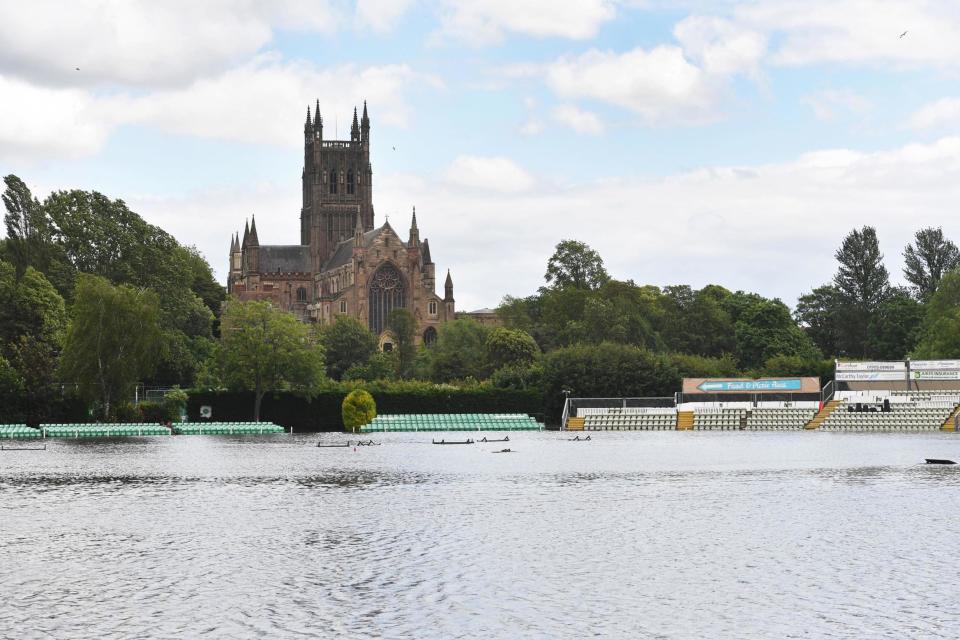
pixel 337 180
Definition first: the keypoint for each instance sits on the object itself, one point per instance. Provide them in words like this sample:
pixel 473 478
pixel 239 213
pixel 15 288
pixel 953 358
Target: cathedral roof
pixel 286 258
pixel 344 251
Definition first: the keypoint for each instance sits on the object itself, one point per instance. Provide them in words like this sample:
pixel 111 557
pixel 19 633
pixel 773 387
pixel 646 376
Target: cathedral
pixel 343 265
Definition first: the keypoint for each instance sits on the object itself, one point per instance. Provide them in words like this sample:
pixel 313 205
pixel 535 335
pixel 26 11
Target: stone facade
pixel 343 266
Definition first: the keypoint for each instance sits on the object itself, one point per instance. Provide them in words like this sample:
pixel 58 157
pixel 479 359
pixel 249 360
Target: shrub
pixel 358 409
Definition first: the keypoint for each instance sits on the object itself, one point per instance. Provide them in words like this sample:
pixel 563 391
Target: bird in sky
pixel 394 148
pixel 903 34
pixel 77 68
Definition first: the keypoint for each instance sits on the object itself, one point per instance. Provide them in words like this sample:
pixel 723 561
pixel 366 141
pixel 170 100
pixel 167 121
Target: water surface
pixel 631 535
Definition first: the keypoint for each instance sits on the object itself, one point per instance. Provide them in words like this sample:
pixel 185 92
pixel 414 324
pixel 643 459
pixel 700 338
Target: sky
pixel 688 142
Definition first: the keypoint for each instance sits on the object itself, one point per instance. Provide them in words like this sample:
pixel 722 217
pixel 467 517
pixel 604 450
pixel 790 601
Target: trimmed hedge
pixel 323 412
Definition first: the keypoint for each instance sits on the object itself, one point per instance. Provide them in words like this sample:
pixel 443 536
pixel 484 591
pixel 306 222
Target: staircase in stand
pixel 684 420
pixel 822 415
pixel 950 423
pixel 575 424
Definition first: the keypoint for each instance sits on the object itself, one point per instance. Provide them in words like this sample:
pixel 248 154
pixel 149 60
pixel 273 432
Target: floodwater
pixel 630 535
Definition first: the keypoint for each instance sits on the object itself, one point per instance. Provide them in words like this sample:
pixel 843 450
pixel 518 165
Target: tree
pixel 928 260
pixel 28 229
pixel 861 279
pixel 113 339
pixel 460 352
pixel 347 342
pixel 605 371
pixel 894 327
pixel 511 348
pixel 379 366
pixel 358 409
pixel 764 329
pixel 575 264
pixel 403 326
pixel 940 332
pixel 264 349
pixel 818 314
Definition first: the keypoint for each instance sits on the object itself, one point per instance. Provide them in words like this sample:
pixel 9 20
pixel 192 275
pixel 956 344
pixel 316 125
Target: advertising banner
pixel 897 365
pixel 935 374
pixel 742 385
pixel 848 376
pixel 935 365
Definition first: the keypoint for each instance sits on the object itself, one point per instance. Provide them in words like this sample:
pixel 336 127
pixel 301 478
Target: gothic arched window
pixel 350 181
pixel 429 336
pixel 333 181
pixel 302 294
pixel 386 293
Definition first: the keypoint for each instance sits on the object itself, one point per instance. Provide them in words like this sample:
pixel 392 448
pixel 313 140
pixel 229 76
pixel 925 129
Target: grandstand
pixel 865 396
pixel 453 422
pixel 893 411
pixel 629 419
pixel 18 432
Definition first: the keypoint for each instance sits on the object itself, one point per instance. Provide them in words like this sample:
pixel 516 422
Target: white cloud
pixel 487 21
pixel 41 122
pixel 660 85
pixel 213 108
pixel 859 31
pixel 496 173
pixel 142 42
pixel 49 123
pixel 720 46
pixel 944 112
pixel 577 119
pixel 831 104
pixel 381 15
pixel 531 127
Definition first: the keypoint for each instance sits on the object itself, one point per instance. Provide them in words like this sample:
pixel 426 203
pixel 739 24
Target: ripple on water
pixel 776 535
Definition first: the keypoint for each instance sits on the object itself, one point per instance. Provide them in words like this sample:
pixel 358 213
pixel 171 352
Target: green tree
pixel 511 348
pixel 346 343
pixel 894 326
pixel 264 349
pixel 862 284
pixel 861 279
pixel 113 339
pixel 28 229
pixel 940 331
pixel 575 264
pixel 927 260
pixel 460 352
pixel 358 409
pixel 764 328
pixel 605 371
pixel 403 327
pixel 379 366
pixel 818 313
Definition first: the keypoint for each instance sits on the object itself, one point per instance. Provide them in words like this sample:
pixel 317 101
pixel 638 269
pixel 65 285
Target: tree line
pixel 94 300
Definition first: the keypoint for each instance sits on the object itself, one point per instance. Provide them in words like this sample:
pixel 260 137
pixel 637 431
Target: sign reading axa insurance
pixel 935 369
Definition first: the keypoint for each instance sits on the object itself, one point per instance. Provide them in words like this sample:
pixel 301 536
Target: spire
pixel 307 125
pixel 246 233
pixel 448 288
pixel 414 231
pixel 318 120
pixel 253 232
pixel 425 251
pixel 234 243
pixel 355 127
pixel 365 126
pixel 358 230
